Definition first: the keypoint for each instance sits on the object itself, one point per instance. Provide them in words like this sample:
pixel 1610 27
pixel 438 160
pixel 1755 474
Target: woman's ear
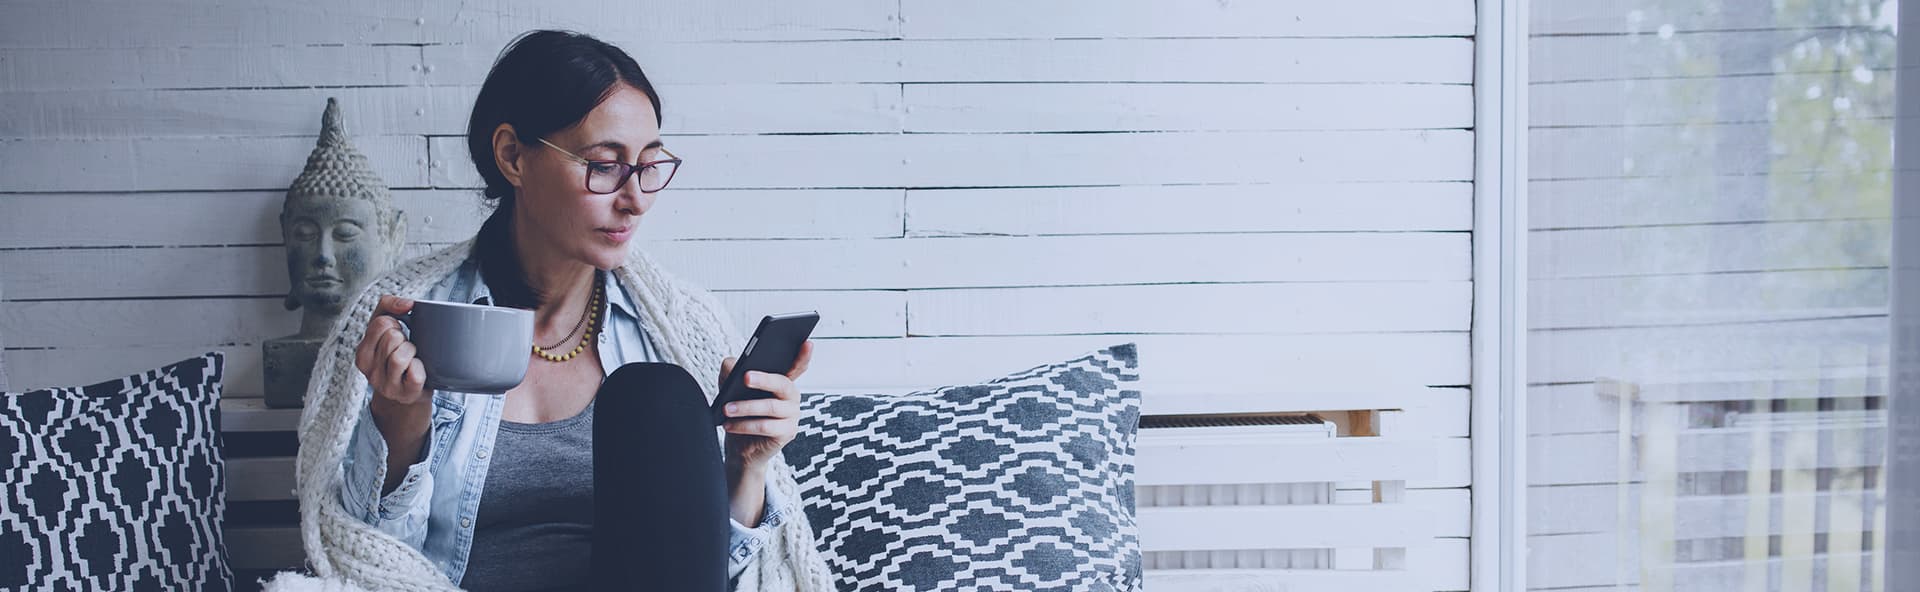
pixel 507 152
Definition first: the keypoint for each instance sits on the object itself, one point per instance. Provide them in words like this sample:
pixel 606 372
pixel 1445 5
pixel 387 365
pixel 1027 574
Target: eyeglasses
pixel 607 176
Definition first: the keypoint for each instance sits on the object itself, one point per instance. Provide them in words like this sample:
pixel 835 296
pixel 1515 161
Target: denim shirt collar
pixel 479 293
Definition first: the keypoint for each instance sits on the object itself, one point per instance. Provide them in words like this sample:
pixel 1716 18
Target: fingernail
pixel 731 407
pixel 748 379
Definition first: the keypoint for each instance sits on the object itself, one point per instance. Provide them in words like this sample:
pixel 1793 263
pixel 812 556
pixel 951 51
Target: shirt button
pixel 465 523
pixel 482 453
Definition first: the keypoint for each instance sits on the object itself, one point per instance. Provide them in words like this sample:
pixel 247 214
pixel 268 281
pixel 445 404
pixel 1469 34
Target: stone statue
pixel 341 230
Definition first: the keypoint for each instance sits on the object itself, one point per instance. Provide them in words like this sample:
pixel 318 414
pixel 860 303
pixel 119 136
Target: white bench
pixel 1341 520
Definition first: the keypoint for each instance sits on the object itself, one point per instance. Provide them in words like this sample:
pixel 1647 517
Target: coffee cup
pixel 470 348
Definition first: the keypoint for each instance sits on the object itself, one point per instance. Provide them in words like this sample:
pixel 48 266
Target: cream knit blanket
pixel 696 334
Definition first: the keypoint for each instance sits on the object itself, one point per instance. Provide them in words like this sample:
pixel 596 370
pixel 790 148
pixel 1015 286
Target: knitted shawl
pixel 691 330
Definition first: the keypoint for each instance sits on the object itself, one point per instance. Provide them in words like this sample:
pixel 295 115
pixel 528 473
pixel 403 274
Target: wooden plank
pixel 1739 352
pixel 1024 160
pixel 1196 399
pixel 929 19
pixel 1330 362
pixel 1449 512
pixel 423 110
pixel 264 547
pixel 1756 524
pixel 1706 298
pixel 1190 208
pixel 1283 580
pixel 667 64
pixel 1634 151
pixel 62 220
pixel 492 22
pixel 864 313
pixel 260 479
pixel 1703 199
pixel 1206 308
pixel 1846 523
pixel 41 368
pixel 1312 60
pixel 817 264
pixel 1660 462
pixel 93 68
pixel 1586 458
pixel 1300 526
pixel 253 415
pixel 1711 248
pixel 1572 408
pixel 687 63
pixel 85 323
pixel 1799 467
pixel 1631 16
pixel 1575 509
pixel 3 360
pixel 1318 362
pixel 1437 60
pixel 1828 379
pixel 175 164
pixel 972 108
pixel 1675 101
pixel 1064 261
pixel 1167 460
pixel 1567 561
pixel 1573 562
pixel 1560 58
pixel 1442 564
pixel 98 23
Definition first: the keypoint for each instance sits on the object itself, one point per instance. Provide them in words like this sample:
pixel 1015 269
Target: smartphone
pixel 774 347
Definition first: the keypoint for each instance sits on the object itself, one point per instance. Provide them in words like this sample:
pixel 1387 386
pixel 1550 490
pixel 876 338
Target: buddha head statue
pixel 340 227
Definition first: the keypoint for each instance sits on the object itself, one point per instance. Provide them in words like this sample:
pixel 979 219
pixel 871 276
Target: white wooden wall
pixel 1678 249
pixel 1267 197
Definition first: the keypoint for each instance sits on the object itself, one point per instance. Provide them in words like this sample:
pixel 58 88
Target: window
pixel 1709 205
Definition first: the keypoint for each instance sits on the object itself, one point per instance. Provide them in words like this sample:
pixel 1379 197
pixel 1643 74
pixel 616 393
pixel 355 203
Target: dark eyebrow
pixel 618 146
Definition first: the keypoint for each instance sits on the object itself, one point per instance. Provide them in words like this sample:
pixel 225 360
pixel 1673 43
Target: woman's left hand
pixel 773 421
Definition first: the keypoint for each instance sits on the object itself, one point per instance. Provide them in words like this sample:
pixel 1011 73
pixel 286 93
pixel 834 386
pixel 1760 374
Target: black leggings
pixel 660 499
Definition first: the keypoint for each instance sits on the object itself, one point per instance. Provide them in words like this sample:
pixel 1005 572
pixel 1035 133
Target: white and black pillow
pixel 116 485
pixel 1023 482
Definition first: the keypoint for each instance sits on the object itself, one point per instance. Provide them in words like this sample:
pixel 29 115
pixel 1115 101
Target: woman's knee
pixel 659 385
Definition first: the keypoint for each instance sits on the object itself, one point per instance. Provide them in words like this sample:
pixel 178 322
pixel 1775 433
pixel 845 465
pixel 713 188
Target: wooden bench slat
pixel 1304 526
pixel 1280 580
pixel 1297 461
pixel 264 547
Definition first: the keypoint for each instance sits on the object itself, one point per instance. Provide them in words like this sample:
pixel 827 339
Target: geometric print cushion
pixel 1024 482
pixel 116 485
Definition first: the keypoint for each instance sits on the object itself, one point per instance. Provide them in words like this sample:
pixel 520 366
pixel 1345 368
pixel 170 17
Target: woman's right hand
pixel 386 358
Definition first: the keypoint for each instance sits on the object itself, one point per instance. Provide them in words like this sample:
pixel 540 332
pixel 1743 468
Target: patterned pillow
pixel 116 485
pixel 1023 482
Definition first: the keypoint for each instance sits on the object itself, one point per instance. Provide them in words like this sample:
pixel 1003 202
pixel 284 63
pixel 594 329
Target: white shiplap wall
pixel 1265 196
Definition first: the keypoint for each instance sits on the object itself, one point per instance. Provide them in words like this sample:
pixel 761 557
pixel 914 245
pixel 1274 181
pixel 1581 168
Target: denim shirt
pixel 433 509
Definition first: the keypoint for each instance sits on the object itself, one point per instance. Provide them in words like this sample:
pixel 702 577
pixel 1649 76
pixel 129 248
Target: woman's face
pixel 556 208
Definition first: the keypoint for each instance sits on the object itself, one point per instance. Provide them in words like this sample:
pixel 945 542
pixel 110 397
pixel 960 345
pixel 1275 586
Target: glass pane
pixel 1710 202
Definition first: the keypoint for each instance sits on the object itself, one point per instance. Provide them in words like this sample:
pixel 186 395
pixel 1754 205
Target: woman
pixel 502 493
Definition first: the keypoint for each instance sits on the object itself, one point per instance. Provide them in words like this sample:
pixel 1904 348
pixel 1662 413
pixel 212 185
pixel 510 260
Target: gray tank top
pixel 535 521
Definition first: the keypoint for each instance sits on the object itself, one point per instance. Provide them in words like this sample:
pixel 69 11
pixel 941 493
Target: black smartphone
pixel 774 347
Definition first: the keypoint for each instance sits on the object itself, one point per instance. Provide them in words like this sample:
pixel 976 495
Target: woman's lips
pixel 617 234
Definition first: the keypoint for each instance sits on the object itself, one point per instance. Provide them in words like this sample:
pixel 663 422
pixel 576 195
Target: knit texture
pixel 693 331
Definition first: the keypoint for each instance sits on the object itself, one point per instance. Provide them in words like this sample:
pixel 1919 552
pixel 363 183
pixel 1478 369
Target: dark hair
pixel 543 82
